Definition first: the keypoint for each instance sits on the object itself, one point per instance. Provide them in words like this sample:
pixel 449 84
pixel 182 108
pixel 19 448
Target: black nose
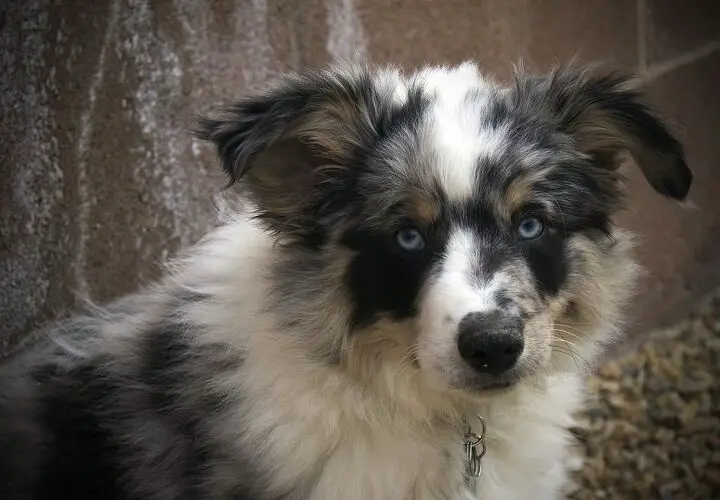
pixel 490 342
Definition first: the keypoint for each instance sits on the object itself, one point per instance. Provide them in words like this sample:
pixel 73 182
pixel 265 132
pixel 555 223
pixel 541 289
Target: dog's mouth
pixel 488 386
pixel 496 386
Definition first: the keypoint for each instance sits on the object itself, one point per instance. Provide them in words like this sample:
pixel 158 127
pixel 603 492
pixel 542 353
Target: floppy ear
pixel 605 115
pixel 291 146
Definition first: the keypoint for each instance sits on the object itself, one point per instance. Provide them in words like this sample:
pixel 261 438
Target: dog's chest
pixel 525 460
pixel 352 448
pixel 383 466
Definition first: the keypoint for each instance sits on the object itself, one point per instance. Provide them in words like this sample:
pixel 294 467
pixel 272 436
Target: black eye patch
pixel 384 279
pixel 547 260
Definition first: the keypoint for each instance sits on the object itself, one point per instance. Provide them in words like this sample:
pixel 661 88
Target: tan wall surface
pixel 100 180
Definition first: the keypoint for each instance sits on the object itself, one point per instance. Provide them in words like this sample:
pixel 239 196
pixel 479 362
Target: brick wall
pixel 100 181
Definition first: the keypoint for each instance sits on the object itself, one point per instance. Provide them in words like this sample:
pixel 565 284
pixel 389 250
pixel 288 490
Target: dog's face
pixel 480 215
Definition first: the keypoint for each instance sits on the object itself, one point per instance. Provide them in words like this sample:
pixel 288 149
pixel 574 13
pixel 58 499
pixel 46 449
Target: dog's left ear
pixel 291 148
pixel 605 114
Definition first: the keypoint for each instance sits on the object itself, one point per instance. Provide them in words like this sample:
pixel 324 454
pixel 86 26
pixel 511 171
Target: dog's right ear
pixel 292 145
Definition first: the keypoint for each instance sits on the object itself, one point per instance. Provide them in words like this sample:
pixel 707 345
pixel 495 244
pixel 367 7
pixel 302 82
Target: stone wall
pixel 100 180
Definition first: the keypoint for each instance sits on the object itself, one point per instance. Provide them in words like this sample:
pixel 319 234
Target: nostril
pixel 512 350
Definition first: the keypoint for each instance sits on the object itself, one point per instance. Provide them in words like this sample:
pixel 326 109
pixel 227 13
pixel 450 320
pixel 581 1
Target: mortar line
pixel 658 70
pixel 642 36
pixel 81 154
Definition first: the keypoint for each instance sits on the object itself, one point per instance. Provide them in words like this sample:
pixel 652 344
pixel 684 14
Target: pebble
pixel 651 427
pixel 610 371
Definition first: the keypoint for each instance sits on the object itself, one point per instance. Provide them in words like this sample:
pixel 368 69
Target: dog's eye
pixel 530 228
pixel 410 239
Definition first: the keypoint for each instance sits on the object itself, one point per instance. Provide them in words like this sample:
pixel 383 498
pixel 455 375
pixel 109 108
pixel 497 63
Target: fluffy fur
pixel 385 286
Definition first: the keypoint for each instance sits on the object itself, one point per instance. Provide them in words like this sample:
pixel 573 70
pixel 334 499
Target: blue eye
pixel 530 228
pixel 410 239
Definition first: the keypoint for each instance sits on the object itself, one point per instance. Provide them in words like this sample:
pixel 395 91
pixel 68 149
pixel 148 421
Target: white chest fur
pixel 339 444
pixel 526 461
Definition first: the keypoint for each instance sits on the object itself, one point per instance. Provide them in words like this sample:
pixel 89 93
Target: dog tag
pixel 475 449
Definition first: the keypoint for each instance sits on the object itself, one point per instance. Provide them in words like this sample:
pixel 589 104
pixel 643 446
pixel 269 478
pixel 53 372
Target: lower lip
pixel 498 386
pixel 480 388
pixel 493 388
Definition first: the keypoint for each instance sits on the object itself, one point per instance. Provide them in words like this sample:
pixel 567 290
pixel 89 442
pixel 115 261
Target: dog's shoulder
pixel 50 398
pixel 113 404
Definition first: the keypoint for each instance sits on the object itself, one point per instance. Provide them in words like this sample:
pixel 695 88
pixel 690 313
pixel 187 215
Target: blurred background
pixel 99 179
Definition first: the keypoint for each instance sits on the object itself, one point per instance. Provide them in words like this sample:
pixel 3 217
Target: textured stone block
pixel 498 32
pixel 679 245
pixel 675 28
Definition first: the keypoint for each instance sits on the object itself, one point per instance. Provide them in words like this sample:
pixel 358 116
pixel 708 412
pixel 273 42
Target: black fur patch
pixel 547 260
pixel 85 431
pixel 384 279
pixel 83 457
pixel 498 245
pixel 181 399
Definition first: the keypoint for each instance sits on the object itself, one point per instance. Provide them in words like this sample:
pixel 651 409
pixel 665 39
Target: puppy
pixel 404 310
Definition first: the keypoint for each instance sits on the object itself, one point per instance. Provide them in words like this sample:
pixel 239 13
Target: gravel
pixel 651 429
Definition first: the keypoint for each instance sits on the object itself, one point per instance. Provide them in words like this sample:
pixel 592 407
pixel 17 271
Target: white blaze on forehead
pixel 453 131
pixel 390 82
pixel 460 271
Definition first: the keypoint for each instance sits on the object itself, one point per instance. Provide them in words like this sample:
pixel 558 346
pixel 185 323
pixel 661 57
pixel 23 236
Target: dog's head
pixel 467 223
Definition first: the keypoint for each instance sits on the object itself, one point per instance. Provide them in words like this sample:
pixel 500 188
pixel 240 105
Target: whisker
pixel 408 359
pixel 571 352
pixel 568 333
pixel 568 352
pixel 568 343
pixel 575 324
